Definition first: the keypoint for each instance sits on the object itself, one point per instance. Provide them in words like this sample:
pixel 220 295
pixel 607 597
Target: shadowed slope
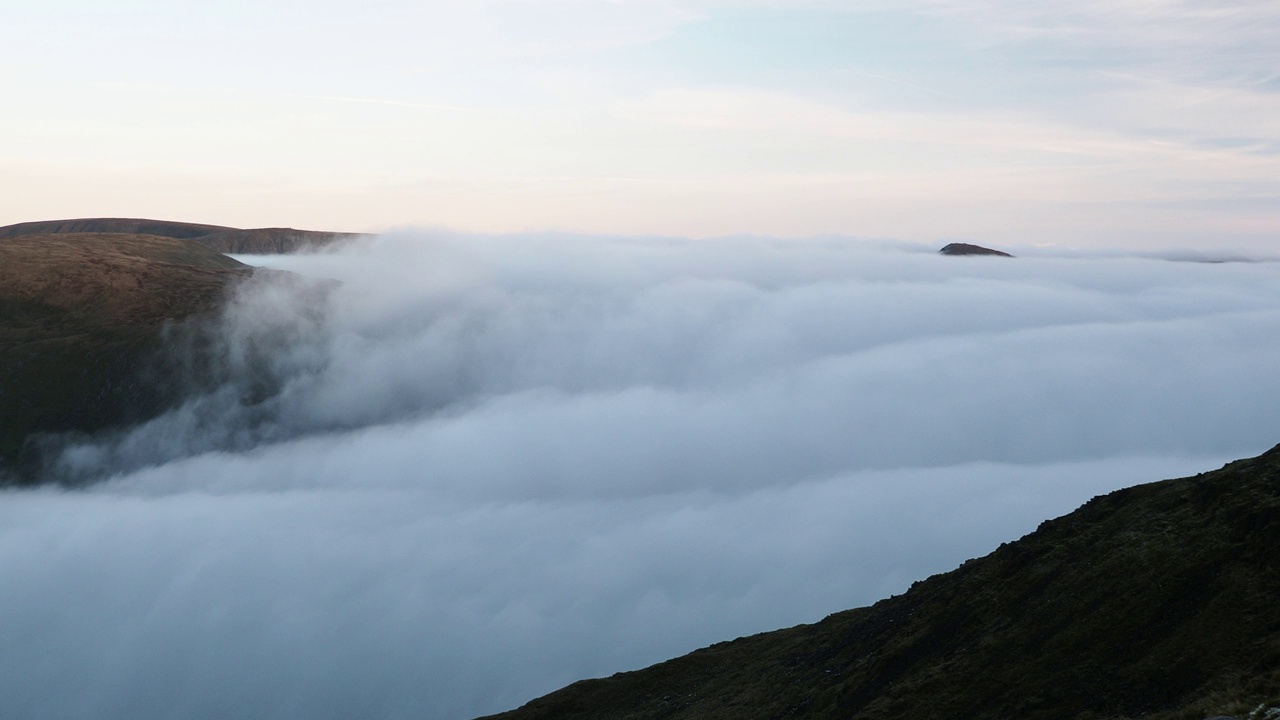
pixel 81 319
pixel 1158 600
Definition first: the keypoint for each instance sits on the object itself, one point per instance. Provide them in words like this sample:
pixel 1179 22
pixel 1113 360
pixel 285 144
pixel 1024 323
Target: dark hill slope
pixel 1161 600
pixel 81 322
pixel 257 241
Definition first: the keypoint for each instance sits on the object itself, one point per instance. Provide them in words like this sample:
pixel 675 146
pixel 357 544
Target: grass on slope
pixel 257 241
pixel 81 322
pixel 1159 601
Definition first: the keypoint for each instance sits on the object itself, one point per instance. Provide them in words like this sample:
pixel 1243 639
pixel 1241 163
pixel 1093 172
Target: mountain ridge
pixel 219 238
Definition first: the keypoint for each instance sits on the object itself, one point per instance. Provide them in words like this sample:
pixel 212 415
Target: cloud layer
pixel 483 467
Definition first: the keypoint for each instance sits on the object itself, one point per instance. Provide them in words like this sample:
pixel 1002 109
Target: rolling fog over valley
pixel 442 474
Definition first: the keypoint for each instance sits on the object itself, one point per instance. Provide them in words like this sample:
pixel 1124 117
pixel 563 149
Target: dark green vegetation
pixel 967 249
pixel 83 320
pixel 258 241
pixel 1159 601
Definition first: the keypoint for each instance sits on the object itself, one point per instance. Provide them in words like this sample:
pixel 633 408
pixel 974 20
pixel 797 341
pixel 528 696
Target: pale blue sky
pixel 1134 124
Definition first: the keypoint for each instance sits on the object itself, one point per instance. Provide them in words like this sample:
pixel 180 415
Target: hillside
pixel 81 323
pixel 256 241
pixel 162 228
pixel 1157 601
pixel 268 241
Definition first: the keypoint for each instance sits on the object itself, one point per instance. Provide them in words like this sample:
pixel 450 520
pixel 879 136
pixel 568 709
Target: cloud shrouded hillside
pixel 479 468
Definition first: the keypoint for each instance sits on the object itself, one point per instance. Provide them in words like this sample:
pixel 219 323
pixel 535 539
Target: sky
pixel 1149 124
pixel 485 466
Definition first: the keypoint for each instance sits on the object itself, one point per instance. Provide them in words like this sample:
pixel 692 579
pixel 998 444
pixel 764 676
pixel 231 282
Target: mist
pixel 435 475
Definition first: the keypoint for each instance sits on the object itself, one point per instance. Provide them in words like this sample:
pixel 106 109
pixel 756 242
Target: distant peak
pixel 967 249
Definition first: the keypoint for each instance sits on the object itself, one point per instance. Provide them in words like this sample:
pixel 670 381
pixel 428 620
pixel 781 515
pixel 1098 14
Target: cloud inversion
pixel 488 466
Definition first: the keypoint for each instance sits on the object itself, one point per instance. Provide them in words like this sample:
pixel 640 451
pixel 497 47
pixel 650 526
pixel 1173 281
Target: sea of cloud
pixel 474 469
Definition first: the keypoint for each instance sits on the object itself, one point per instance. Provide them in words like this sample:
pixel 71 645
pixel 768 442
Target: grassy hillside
pixel 81 322
pixel 257 241
pixel 269 241
pixel 132 226
pixel 1158 601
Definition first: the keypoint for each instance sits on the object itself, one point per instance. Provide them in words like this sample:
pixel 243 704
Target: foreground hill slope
pixel 1161 601
pixel 256 241
pixel 81 319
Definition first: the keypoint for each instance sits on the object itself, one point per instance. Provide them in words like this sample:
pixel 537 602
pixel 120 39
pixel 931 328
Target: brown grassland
pixel 82 317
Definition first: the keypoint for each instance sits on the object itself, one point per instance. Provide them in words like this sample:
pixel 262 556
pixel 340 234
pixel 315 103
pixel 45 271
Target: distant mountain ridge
pixel 1158 601
pixel 219 238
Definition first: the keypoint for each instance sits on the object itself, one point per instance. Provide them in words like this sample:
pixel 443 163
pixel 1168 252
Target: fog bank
pixel 477 468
